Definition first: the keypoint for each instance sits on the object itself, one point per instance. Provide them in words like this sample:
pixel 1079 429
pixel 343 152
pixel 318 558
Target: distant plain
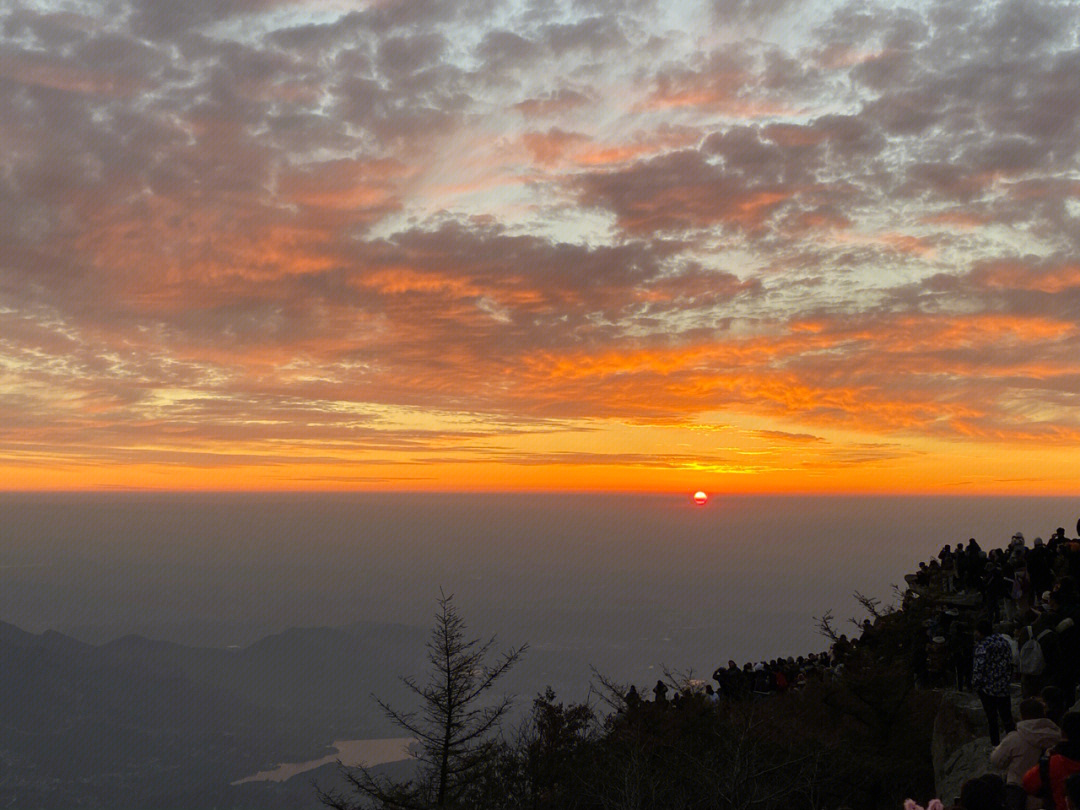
pixel 626 583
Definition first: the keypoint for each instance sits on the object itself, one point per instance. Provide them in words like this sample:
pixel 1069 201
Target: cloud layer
pixel 325 238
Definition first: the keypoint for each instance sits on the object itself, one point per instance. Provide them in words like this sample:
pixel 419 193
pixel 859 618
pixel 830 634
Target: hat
pixel 1038 541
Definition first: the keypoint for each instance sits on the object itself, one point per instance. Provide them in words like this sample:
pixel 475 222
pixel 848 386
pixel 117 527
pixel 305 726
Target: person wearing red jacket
pixel 1064 761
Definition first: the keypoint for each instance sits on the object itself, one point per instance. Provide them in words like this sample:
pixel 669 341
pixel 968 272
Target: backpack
pixel 1031 659
pixel 1051 650
pixel 1044 782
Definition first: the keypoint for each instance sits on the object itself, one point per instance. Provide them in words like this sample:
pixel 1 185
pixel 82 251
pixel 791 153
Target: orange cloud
pixel 1023 276
pixel 307 251
pixel 549 147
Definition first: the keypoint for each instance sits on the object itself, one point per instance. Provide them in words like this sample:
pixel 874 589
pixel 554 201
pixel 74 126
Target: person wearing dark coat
pixel 1040 568
pixel 991 675
pixel 660 693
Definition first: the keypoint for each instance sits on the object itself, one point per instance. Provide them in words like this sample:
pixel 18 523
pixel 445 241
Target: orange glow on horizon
pixel 728 461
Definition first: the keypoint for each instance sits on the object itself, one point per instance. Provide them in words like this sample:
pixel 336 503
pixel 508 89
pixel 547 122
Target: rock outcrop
pixel 961 743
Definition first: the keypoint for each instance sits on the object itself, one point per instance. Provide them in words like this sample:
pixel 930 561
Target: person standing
pixel 660 694
pixel 1040 567
pixel 991 674
pixel 948 572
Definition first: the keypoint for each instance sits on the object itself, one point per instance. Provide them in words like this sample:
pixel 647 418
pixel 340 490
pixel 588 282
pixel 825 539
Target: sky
pixel 614 245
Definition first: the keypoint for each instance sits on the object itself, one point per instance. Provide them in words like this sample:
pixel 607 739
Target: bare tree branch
pixel 826 626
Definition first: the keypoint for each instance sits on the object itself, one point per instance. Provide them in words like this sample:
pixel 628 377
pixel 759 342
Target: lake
pixel 351 753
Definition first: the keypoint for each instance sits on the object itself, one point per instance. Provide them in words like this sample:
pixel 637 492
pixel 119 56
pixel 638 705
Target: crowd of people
pixel 999 622
pixel 1008 621
pixel 1028 593
pixel 754 680
pixel 750 681
pixel 1040 760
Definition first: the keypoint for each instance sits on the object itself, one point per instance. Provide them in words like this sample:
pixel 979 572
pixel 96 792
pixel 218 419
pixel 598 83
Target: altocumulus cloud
pixel 866 220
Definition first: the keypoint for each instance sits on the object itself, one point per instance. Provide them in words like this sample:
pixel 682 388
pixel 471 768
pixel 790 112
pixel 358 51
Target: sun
pixel 700 498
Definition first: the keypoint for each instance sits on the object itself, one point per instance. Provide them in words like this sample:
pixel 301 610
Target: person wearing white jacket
pixel 1020 750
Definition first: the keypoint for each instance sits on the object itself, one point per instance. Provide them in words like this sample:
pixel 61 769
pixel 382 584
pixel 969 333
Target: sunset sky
pixel 471 244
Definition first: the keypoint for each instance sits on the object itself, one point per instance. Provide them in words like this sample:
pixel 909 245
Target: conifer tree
pixel 454 725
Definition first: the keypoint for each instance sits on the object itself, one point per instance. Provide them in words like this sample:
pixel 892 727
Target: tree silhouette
pixel 454 725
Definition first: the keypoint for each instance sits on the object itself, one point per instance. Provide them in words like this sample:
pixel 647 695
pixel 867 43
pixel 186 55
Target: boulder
pixel 970 760
pixel 960 746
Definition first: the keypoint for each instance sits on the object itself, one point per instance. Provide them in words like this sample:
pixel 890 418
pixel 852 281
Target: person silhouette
pixel 660 693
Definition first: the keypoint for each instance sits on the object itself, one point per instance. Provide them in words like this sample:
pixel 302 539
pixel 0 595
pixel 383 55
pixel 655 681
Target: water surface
pixel 350 752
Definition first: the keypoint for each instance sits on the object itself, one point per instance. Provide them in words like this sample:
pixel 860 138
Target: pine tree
pixel 454 726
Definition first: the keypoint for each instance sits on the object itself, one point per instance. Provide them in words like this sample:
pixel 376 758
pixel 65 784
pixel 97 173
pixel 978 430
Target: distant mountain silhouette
pixel 137 722
pixel 325 673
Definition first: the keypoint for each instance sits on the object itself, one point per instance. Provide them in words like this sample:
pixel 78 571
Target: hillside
pixel 136 721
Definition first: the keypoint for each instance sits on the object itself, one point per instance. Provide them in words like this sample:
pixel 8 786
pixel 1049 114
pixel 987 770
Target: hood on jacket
pixel 1040 732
